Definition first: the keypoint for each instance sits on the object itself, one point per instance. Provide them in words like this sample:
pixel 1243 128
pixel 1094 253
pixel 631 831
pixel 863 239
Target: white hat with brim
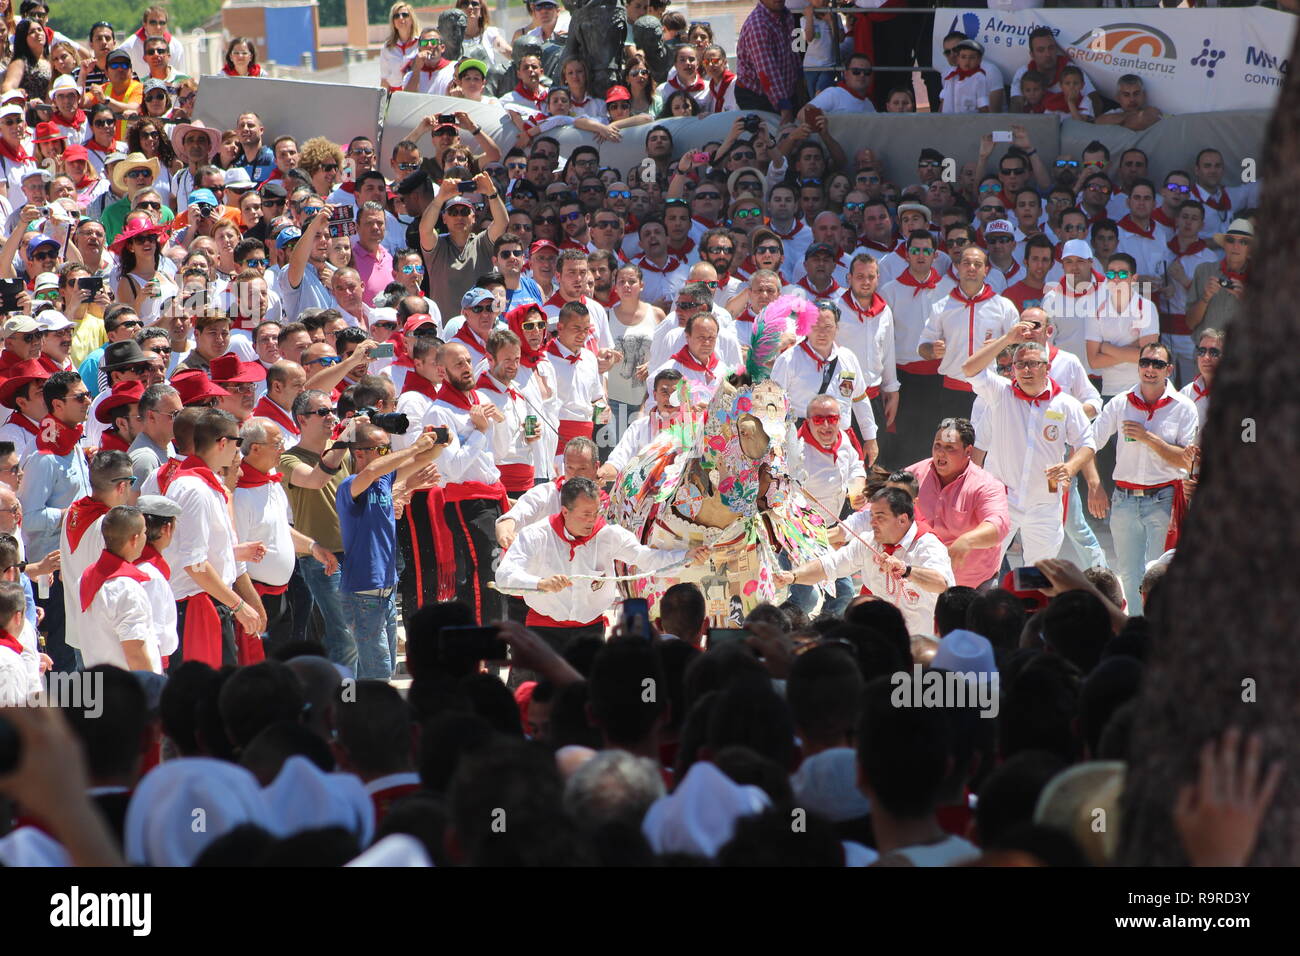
pixel 1077 248
pixel 1241 228
pixel 11 109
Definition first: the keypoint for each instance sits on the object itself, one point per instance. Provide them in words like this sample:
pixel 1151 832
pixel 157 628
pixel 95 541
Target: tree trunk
pixel 1224 648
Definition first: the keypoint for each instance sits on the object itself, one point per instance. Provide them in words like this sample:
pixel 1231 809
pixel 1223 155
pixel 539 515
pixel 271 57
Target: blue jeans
pixel 374 623
pixel 1138 526
pixel 1080 532
pixel 340 645
pixel 805 595
pixel 816 81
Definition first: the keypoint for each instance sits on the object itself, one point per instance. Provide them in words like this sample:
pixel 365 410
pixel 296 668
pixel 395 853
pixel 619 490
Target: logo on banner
pixel 1132 46
pixel 1271 69
pixel 1208 58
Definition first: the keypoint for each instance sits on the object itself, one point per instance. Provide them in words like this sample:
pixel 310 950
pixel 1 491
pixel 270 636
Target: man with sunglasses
pixel 1186 252
pixel 1217 289
pixel 1030 421
pixel 154 425
pixel 211 592
pixel 510 259
pixel 53 478
pixel 123 362
pixel 1154 426
pixel 850 94
pixel 574 223
pixel 452 261
pixel 1126 323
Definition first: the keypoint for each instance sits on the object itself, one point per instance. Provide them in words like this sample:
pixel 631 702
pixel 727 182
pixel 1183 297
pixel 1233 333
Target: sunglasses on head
pixel 1148 362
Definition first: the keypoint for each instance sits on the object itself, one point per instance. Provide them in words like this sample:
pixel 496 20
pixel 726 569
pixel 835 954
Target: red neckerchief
pixel 685 358
pixel 906 278
pixel 985 293
pixel 821 362
pixel 1222 204
pixel 1137 401
pixel 486 381
pixel 1239 276
pixel 250 477
pixel 265 408
pixel 107 567
pixel 26 424
pixel 787 236
pixel 806 433
pixel 890 548
pixel 151 555
pixel 18 155
pixel 77 121
pixel 1015 269
pixel 671 265
pixel 11 642
pixel 683 250
pixel 803 284
pixel 167 473
pixel 453 396
pixel 470 338
pixel 253 70
pixel 1128 225
pixel 844 87
pixel 1191 250
pixel 56 438
pixel 1160 217
pixel 401 357
pixel 718 89
pixel 708 224
pixel 557 525
pixel 82 513
pixel 1071 291
pixel 142 36
pixel 538 99
pixel 746 316
pixel 1062 61
pixel 901 250
pixel 112 441
pixel 1196 387
pixel 1046 395
pixel 572 358
pixel 92 145
pixel 195 466
pixel 878 246
pixel 418 383
pixel 964 74
pixel 611 299
pixel 696 87
pixel 870 312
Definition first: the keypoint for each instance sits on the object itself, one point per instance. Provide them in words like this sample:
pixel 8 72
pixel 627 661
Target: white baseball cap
pixel 52 320
pixel 11 109
pixel 999 227
pixel 1077 248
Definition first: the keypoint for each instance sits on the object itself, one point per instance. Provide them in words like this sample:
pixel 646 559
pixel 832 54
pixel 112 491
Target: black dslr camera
pixel 395 423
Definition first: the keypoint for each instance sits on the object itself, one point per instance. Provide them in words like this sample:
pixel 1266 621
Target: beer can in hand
pixel 530 426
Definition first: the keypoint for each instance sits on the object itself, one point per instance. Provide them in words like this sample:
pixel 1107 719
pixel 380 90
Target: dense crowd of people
pixel 262 399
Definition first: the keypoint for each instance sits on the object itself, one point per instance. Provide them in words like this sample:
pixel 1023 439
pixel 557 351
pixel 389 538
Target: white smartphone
pixel 1001 136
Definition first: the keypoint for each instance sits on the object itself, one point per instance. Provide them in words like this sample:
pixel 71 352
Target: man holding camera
pixel 452 261
pixel 365 508
pixel 547 556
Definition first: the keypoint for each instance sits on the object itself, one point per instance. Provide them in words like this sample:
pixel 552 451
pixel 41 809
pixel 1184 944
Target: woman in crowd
pixel 30 69
pixel 147 136
pixel 480 35
pixel 241 58
pixel 638 82
pixel 574 73
pixel 403 34
pixel 632 323
pixel 143 283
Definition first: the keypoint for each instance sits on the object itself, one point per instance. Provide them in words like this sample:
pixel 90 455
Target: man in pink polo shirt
pixel 964 505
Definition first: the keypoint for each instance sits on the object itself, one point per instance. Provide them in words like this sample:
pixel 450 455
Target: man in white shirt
pixel 972 315
pixel 262 514
pixel 578 382
pixel 511 443
pixel 581 456
pixel 698 359
pixel 828 471
pixel 850 95
pixel 115 613
pixel 546 557
pixel 80 538
pixel 1126 321
pixel 663 274
pixel 473 496
pixel 429 71
pixel 21 392
pixel 643 429
pixel 1141 236
pixel 1030 421
pixel 818 366
pixel 1072 302
pixel 911 297
pixel 285 381
pixel 1155 424
pixel 902 565
pixel 211 585
pixel 694 298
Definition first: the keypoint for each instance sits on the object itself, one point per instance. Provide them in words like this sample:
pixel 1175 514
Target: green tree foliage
pixel 74 17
